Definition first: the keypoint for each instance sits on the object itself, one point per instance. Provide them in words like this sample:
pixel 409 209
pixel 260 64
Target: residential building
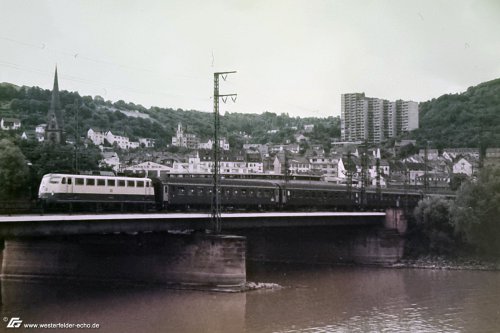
pixel 40 132
pixel 96 136
pixel 432 154
pixel 110 159
pixel 374 119
pixel 10 123
pixel 184 140
pixel 451 154
pixel 146 142
pixel 464 166
pixel 223 144
pixel 121 141
pixel 151 169
pixel 309 128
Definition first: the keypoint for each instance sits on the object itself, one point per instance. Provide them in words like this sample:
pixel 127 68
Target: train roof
pixel 93 176
pixel 206 181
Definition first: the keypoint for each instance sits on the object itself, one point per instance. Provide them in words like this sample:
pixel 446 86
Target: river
pixel 312 299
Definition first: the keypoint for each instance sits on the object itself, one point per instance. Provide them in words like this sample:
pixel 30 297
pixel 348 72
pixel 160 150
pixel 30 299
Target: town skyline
pixel 297 61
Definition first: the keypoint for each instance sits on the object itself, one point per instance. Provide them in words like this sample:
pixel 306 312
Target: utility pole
pixel 406 184
pixel 379 191
pixel 77 136
pixel 364 167
pixel 286 175
pixel 216 219
pixel 426 160
pixel 349 175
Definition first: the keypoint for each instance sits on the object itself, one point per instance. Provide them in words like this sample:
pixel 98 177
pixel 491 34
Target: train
pixel 183 194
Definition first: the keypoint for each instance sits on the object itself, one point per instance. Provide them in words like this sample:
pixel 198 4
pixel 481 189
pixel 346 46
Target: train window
pixel 147 184
pixel 101 182
pixel 180 190
pixel 228 192
pixel 90 182
pixel 63 181
pixel 111 182
pixel 140 183
pixel 165 189
pixel 251 193
pixel 70 181
pixel 121 182
pixel 191 191
pixel 55 180
pixel 130 183
pixel 243 192
pixel 78 181
pixel 200 191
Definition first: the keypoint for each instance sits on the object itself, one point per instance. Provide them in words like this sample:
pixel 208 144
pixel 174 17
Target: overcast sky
pixel 292 56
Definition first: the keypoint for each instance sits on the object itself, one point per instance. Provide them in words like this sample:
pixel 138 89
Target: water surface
pixel 313 299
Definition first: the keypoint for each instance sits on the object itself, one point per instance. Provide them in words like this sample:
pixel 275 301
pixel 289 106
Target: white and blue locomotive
pixel 58 188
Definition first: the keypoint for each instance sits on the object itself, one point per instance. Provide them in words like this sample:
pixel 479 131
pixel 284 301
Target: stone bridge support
pixel 192 261
pixel 381 244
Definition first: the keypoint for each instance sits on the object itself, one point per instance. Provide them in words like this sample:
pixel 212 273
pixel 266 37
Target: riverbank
pixel 433 262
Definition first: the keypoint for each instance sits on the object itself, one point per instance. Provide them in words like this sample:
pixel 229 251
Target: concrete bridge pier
pixel 377 244
pixel 190 261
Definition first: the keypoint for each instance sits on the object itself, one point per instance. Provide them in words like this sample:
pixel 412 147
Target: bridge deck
pixel 45 225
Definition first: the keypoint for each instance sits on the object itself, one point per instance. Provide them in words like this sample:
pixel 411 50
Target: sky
pixel 291 56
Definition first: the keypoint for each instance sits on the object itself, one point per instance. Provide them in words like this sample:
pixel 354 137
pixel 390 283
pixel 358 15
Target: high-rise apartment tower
pixel 374 119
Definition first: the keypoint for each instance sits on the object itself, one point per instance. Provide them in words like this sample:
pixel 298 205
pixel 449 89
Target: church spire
pixel 55 103
pixel 55 124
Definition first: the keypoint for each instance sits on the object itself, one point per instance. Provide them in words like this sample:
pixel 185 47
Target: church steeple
pixel 55 124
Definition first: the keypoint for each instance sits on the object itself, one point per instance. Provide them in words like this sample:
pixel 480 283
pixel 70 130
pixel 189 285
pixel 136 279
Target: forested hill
pixel 30 105
pixel 469 119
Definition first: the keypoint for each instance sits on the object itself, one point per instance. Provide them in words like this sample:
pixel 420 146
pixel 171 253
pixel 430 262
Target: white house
pixel 10 123
pixel 147 142
pixel 308 128
pixel 432 154
pixel 151 169
pixel 97 137
pixel 299 165
pixel 40 132
pixel 463 166
pixel 110 159
pixel 323 165
pixel 121 141
pixel 223 144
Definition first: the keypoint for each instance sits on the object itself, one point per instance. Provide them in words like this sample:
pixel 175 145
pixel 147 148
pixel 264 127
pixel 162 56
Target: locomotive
pixel 196 194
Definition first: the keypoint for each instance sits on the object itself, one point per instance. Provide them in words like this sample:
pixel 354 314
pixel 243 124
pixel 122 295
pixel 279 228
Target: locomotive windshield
pixel 55 180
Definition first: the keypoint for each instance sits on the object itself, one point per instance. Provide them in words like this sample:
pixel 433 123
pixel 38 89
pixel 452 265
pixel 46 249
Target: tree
pixel 14 171
pixel 433 228
pixel 476 212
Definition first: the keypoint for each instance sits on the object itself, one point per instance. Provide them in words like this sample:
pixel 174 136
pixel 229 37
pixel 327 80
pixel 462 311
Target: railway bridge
pixel 176 249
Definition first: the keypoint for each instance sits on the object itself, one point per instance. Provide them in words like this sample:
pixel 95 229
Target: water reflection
pixel 348 299
pixel 122 309
pixel 315 299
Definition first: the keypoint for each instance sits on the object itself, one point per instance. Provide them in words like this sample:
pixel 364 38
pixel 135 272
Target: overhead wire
pixel 102 85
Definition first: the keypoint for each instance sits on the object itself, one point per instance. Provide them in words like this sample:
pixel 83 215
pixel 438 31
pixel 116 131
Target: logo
pixel 14 322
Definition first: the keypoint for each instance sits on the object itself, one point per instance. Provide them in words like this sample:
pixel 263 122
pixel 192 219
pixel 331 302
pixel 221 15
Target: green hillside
pixel 469 119
pixel 30 104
